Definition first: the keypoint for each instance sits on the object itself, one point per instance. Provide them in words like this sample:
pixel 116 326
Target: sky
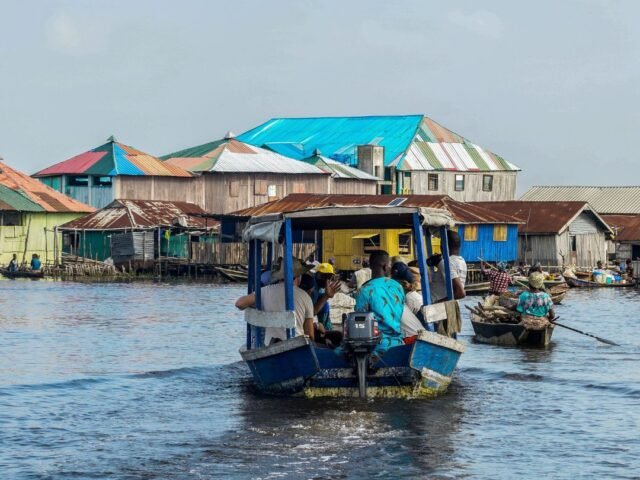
pixel 552 86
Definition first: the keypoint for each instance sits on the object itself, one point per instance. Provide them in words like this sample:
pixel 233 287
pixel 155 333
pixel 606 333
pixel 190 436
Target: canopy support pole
pixel 287 258
pixel 418 242
pixel 444 246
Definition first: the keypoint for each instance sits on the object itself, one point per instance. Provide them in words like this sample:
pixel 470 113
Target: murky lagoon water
pixel 141 381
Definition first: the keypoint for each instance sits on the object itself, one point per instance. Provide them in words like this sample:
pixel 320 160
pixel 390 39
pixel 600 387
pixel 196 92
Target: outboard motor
pixel 361 336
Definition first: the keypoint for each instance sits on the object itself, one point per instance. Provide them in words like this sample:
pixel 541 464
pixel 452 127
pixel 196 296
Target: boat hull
pixel 22 274
pixel 509 334
pixel 299 367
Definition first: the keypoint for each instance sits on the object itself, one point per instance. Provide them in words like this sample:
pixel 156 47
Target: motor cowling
pixel 361 334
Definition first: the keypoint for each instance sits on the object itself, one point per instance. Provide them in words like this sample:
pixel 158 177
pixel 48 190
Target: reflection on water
pixel 143 381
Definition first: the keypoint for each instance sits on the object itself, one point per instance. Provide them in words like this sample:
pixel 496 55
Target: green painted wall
pixel 32 233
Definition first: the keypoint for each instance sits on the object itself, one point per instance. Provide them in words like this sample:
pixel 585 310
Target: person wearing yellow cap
pixel 535 304
pixel 327 286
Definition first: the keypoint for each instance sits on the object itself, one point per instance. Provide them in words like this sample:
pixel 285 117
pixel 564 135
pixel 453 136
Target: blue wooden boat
pixel 297 365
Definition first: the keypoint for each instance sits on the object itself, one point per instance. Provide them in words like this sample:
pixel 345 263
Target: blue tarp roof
pixel 335 137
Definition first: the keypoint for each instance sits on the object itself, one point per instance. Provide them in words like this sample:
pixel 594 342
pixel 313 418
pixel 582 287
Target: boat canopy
pixel 268 227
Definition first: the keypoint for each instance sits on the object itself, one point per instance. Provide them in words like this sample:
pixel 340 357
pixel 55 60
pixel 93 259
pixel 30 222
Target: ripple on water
pixel 143 381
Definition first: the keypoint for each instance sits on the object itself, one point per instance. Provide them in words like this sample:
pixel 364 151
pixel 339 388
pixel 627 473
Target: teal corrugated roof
pixel 15 200
pixel 411 142
pixel 336 137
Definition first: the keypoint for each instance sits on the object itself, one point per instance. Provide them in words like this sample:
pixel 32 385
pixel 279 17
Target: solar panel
pixel 396 202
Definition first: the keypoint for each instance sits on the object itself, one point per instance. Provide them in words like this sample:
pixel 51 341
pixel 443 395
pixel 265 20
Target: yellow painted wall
pixel 12 239
pixel 348 252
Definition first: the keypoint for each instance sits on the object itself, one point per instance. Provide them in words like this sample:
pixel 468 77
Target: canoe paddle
pixel 600 339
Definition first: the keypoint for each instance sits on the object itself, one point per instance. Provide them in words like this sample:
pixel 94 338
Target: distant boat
pixel 579 283
pixel 233 275
pixel 479 288
pixel 22 273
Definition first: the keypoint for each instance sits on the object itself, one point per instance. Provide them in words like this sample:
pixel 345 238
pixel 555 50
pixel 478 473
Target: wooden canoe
pixel 232 275
pixel 579 283
pixel 479 288
pixel 22 273
pixel 510 334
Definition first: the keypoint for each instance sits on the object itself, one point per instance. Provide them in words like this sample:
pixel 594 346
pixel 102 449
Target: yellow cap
pixel 325 268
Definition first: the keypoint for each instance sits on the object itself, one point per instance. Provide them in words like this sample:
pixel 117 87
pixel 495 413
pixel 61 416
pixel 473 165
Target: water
pixel 142 381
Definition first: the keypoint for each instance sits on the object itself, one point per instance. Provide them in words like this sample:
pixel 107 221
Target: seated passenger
pixel 410 322
pixel 322 334
pixel 13 264
pixel 273 300
pixel 36 265
pixel 385 298
pixel 535 304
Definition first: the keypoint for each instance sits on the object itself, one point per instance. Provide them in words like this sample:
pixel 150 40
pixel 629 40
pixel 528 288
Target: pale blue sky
pixel 553 86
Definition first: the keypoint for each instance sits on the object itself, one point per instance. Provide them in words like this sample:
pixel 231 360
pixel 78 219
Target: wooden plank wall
pixel 504 186
pixel 159 188
pixel 236 253
pixel 344 186
pixel 226 193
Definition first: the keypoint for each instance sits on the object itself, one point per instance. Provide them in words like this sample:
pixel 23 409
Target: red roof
pixel 541 217
pixel 626 227
pixel 461 212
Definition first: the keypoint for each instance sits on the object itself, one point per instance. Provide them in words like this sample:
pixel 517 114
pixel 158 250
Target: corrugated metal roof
pixel 113 158
pixel 625 227
pixel 542 217
pixel 605 200
pixel 339 170
pixel 141 214
pixel 461 212
pixel 233 156
pixel 20 192
pixel 411 142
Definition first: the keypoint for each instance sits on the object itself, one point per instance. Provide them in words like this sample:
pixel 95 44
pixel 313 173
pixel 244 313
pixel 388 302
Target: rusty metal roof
pixel 626 227
pixel 605 200
pixel 20 192
pixel 142 214
pixel 542 217
pixel 461 212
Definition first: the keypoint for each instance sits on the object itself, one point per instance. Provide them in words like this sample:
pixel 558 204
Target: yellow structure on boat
pixel 350 247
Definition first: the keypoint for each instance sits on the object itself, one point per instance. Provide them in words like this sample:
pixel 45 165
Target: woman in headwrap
pixel 535 304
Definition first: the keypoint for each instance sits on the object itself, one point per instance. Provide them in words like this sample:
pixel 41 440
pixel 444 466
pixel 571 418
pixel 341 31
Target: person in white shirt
pixel 273 300
pixel 458 268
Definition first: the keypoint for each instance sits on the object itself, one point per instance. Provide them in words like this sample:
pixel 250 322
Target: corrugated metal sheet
pixel 112 159
pixel 542 217
pixel 23 193
pixel 461 212
pixel 339 170
pixel 605 200
pixel 411 142
pixel 625 227
pixel 583 223
pixel 132 246
pixel 142 214
pixel 233 156
pixel 488 249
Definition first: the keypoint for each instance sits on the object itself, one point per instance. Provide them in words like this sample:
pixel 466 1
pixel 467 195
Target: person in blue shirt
pixel 36 264
pixel 385 298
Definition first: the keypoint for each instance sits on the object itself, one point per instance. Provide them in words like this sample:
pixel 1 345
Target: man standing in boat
pixel 499 280
pixel 384 297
